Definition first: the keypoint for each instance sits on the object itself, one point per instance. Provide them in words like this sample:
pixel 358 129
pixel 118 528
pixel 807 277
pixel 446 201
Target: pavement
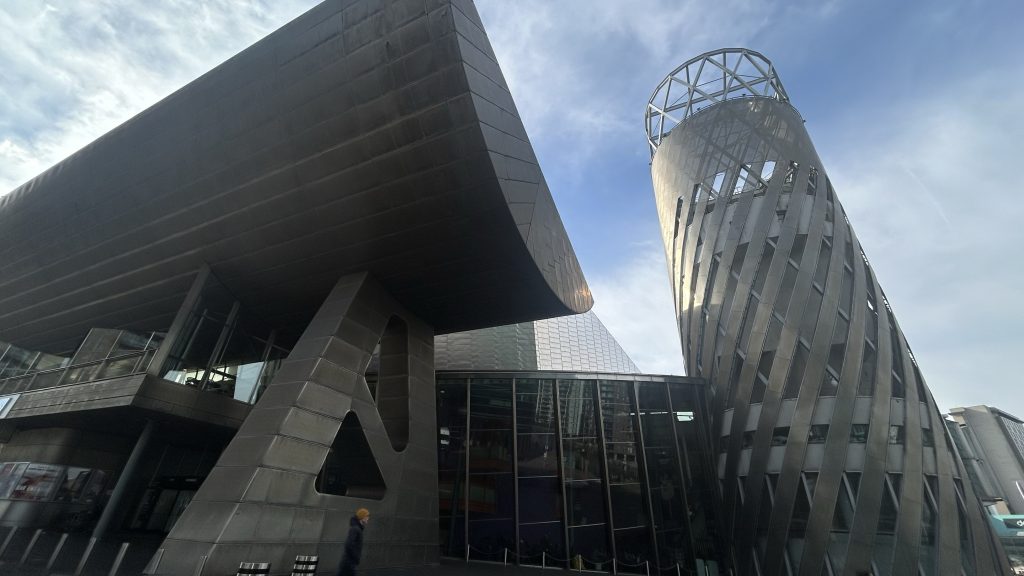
pixel 141 550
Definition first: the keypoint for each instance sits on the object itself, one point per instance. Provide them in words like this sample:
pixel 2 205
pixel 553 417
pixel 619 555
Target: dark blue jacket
pixel 354 543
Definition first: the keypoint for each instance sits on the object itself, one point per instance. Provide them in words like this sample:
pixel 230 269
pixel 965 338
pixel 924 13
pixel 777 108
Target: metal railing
pixel 134 362
pixel 577 563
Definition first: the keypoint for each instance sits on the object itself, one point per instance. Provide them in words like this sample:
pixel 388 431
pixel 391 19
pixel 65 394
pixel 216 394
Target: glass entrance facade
pixel 576 470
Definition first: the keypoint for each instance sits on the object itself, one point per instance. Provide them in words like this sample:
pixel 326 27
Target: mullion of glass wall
pixel 584 479
pixel 690 421
pixel 465 491
pixel 490 492
pixel 515 474
pixel 645 473
pixel 665 475
pixel 562 477
pixel 540 517
pixel 628 492
pixel 452 421
pixel 606 478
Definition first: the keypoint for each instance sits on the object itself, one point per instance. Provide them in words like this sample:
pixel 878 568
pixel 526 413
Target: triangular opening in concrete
pixel 350 468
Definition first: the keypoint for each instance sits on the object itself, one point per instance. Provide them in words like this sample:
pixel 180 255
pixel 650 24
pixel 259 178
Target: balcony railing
pixel 135 362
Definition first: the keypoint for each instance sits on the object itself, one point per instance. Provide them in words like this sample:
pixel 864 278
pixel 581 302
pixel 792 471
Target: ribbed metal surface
pixel 577 343
pixel 821 409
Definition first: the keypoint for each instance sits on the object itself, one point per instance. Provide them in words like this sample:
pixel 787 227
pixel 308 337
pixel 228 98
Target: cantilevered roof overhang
pixel 347 140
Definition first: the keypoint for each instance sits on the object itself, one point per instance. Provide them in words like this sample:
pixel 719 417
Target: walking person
pixel 354 543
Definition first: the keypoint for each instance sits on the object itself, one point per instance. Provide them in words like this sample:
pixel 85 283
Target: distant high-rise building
pixel 832 455
pixel 991 443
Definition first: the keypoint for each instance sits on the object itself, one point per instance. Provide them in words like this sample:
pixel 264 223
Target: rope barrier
pixel 580 560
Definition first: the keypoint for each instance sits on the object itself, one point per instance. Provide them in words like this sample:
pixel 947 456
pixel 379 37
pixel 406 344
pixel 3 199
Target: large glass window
pixel 584 486
pixel 540 490
pixel 626 483
pixel 690 423
pixel 451 458
pixel 590 470
pixel 885 535
pixel 223 349
pixel 491 488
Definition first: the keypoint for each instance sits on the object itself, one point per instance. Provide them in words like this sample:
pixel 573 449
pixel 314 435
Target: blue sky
pixel 914 107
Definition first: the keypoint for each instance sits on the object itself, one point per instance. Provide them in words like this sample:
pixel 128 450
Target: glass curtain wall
pixel 582 473
pixel 541 512
pixel 223 350
pixel 103 354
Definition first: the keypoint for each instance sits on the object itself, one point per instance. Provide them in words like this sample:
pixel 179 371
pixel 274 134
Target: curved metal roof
pixel 332 146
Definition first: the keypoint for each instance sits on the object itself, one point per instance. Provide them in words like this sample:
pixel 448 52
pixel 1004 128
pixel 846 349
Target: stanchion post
pixel 154 562
pixel 543 559
pixel 7 540
pixel 28 550
pixel 305 565
pixel 647 563
pixel 56 551
pixel 85 556
pixel 506 557
pixel 118 559
pixel 254 569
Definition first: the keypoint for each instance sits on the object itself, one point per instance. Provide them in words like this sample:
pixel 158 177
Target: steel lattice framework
pixel 832 454
pixel 702 81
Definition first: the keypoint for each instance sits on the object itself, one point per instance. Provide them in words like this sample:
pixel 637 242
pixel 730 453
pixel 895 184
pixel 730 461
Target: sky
pixel 915 109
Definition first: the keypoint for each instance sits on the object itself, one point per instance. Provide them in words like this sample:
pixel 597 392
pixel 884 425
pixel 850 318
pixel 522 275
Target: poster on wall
pixel 10 474
pixel 38 482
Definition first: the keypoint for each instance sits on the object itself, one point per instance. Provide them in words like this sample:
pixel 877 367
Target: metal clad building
pixel 576 343
pixel 995 441
pixel 189 305
pixel 554 452
pixel 832 455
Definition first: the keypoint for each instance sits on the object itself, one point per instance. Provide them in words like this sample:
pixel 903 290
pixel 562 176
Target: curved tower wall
pixel 831 448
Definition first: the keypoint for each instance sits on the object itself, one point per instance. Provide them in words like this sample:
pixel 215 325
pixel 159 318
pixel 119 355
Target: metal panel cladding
pixel 833 458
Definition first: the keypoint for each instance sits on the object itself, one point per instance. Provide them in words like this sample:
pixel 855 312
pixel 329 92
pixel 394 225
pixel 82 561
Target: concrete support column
pixel 260 503
pixel 124 481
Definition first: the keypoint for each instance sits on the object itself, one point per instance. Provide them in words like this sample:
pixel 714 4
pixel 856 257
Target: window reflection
pixel 589 470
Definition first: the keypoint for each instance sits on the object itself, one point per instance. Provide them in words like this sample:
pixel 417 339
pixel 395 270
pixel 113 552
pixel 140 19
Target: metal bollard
pixel 154 562
pixel 305 565
pixel 85 556
pixel 56 551
pixel 7 541
pixel 28 550
pixel 118 559
pixel 506 557
pixel 543 559
pixel 199 566
pixel 254 569
pixel 647 563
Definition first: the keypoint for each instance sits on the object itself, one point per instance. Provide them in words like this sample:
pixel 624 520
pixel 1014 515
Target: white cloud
pixel 555 57
pixel 635 303
pixel 933 197
pixel 72 71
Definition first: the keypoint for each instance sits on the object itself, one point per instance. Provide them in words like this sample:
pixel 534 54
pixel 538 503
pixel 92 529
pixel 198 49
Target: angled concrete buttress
pixel 261 502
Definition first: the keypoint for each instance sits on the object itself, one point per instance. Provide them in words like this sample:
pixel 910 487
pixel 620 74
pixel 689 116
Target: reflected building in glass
pixel 591 469
pixel 832 457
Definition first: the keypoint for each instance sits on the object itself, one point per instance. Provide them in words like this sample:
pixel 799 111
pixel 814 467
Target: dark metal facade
pixel 359 180
pixel 832 455
pixel 362 136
